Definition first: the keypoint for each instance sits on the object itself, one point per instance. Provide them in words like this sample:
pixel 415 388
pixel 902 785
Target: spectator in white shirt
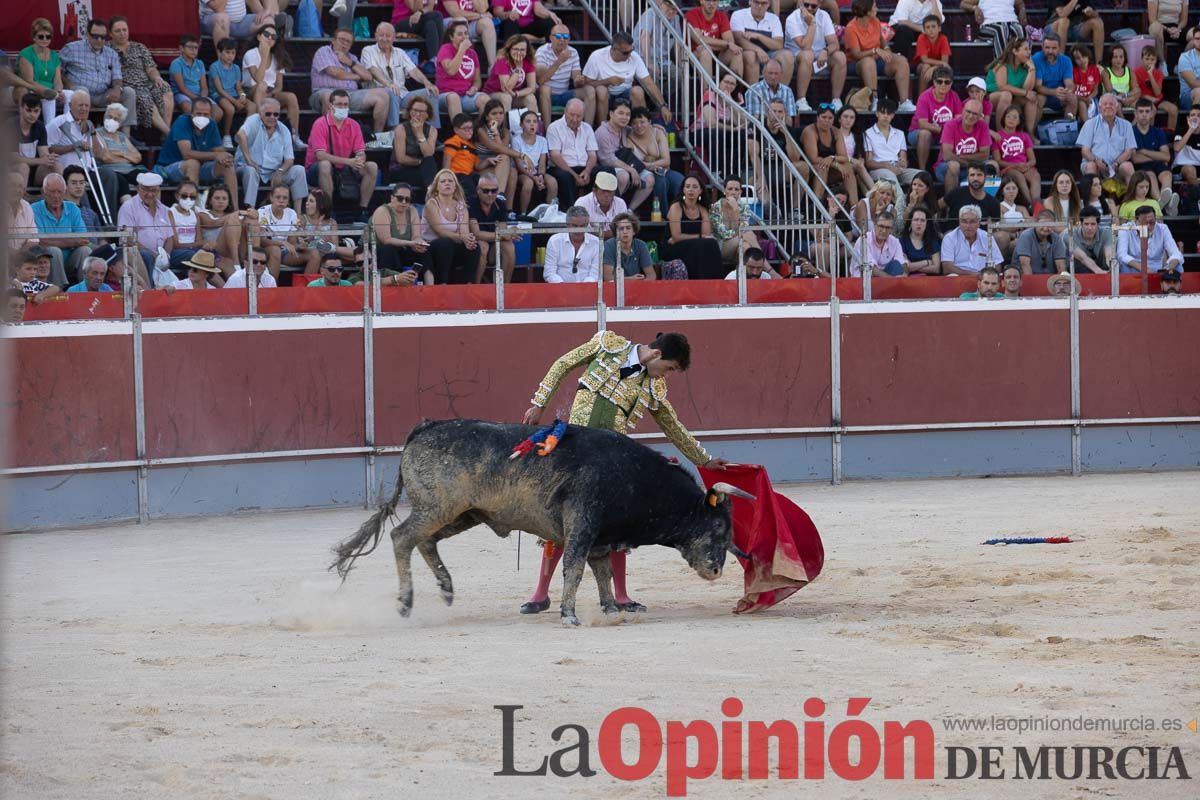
pixel 574 256
pixel 760 35
pixel 390 67
pixel 201 268
pixel 617 71
pixel 560 76
pixel 966 249
pixel 813 39
pixel 1162 253
pixel 602 204
pixel 259 262
pixel 887 149
pixel 573 152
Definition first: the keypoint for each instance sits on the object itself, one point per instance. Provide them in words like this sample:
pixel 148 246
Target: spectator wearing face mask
pixel 193 151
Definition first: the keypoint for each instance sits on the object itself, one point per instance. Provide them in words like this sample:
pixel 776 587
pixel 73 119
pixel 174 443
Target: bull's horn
pixel 725 488
pixel 739 552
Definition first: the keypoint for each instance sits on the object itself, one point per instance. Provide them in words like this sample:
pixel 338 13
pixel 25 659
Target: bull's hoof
pixel 570 621
pixel 610 608
pixel 448 596
pixel 632 606
pixel 535 606
pixel 403 610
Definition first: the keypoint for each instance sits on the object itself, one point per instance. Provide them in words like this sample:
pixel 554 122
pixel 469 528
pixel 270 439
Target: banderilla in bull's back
pixel 596 492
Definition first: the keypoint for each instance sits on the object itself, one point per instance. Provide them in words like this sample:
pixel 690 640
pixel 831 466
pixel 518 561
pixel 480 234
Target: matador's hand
pixel 532 415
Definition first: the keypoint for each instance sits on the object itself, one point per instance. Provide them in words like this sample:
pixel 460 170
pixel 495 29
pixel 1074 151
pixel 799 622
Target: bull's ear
pixel 713 498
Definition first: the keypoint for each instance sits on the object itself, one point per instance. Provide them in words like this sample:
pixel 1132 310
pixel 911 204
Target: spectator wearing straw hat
pixel 201 269
pixel 602 203
pixel 1061 284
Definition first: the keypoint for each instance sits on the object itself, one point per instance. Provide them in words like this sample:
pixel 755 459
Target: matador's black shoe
pixel 535 606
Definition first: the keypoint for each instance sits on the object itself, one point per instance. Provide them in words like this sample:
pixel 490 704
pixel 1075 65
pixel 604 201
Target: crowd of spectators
pixel 461 96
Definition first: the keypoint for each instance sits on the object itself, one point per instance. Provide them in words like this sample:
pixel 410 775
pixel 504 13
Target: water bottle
pixel 656 211
pixel 970 33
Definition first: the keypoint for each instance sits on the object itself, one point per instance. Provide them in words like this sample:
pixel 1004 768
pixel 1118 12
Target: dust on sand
pixel 216 658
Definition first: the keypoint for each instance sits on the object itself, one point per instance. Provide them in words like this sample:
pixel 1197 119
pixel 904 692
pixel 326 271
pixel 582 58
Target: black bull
pixel 596 492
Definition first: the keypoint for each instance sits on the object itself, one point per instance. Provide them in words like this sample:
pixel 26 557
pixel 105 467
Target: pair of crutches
pixel 91 171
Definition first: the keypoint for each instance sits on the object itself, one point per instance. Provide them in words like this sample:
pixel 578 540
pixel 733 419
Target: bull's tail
pixel 367 539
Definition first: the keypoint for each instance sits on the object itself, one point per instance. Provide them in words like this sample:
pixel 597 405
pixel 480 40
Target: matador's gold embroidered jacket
pixel 604 354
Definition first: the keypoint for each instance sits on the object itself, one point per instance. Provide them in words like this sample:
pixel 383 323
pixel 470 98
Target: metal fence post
pixel 498 274
pixel 835 387
pixel 1076 405
pixel 370 288
pixel 741 267
pixel 139 416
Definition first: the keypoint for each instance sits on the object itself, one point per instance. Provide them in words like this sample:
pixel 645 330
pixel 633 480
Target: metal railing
pixel 719 133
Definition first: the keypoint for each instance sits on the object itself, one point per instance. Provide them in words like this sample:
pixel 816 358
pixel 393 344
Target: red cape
pixel 784 546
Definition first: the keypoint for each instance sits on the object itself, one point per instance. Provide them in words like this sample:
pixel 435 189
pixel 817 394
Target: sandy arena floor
pixel 218 659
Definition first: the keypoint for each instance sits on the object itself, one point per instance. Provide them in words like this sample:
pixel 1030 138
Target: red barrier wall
pixel 211 393
pixel 782 380
pixel 71 400
pixel 1139 363
pixel 259 385
pixel 347 299
pixel 955 367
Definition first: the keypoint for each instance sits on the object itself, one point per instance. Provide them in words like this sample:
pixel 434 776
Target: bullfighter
pixel 621 381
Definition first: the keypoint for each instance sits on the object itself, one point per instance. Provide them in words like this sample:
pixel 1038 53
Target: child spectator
pixel 1118 78
pixel 188 75
pixel 458 154
pixel 977 90
pixel 532 170
pixel 1087 82
pixel 933 51
pixel 225 87
pixel 1149 79
pixel 1013 150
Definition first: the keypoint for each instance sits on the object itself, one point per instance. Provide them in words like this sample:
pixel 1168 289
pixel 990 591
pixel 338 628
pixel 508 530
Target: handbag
pixel 629 157
pixel 1060 132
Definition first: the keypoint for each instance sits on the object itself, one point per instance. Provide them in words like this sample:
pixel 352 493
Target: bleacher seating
pixel 969 59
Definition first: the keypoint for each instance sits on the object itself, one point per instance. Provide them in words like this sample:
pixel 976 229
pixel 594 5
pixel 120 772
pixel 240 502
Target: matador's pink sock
pixel 551 555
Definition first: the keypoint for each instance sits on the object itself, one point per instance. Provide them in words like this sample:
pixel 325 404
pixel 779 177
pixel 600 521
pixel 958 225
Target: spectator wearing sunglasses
pixel 813 40
pixel 399 232
pixel 573 256
pixel 258 261
pixel 560 75
pixel 331 273
pixel 90 65
pixel 487 211
pixel 40 66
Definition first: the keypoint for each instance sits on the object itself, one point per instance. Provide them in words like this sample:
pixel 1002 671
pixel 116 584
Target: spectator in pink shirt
pixel 965 141
pixel 336 149
pixel 459 74
pixel 514 79
pixel 1013 150
pixel 936 106
pixel 885 256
